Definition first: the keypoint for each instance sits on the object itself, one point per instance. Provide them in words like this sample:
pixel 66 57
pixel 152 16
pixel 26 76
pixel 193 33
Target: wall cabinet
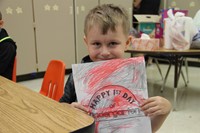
pixel 43 30
pixel 192 5
pixel 82 7
pixel 54 31
pixel 18 21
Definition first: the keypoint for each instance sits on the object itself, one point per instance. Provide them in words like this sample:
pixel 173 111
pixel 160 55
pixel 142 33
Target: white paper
pixel 113 90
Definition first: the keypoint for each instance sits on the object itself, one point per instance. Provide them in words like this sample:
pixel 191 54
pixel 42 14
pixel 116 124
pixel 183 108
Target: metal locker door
pixel 192 6
pixel 18 18
pixel 54 22
pixel 81 9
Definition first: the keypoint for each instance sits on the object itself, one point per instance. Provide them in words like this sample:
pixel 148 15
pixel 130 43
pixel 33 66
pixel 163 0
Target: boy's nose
pixel 105 51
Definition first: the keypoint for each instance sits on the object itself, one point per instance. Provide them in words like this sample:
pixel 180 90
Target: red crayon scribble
pixel 103 71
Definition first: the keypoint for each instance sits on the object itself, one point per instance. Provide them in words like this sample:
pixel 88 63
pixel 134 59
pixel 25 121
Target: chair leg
pixel 157 64
pixel 166 76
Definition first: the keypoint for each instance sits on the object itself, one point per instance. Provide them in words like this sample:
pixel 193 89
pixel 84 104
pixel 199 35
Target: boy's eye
pixel 96 44
pixel 113 43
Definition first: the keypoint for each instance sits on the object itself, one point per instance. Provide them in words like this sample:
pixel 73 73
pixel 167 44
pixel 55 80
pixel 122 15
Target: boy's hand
pixel 155 106
pixel 79 106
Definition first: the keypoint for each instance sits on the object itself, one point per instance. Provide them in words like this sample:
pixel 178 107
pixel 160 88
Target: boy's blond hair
pixel 107 17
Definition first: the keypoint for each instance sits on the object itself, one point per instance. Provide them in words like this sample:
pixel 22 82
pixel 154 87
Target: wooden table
pixel 25 111
pixel 177 58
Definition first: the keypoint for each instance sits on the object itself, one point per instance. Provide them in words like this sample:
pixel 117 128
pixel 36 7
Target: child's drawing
pixel 113 90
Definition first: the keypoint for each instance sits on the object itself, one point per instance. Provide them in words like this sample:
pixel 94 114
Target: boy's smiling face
pixel 106 46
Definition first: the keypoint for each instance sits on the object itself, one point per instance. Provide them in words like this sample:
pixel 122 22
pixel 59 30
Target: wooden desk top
pixel 165 51
pixel 25 111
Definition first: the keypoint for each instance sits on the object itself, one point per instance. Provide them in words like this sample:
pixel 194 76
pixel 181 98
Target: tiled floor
pixel 186 119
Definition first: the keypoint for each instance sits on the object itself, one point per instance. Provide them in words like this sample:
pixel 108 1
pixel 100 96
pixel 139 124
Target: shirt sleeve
pixel 69 95
pixel 7 52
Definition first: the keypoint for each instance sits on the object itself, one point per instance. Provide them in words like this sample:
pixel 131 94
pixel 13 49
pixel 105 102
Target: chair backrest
pixel 53 81
pixel 14 73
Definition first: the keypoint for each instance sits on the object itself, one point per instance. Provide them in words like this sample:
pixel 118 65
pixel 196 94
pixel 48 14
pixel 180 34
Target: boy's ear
pixel 85 39
pixel 1 23
pixel 128 42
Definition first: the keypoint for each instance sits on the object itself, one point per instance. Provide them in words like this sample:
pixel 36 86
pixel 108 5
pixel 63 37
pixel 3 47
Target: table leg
pixel 177 71
pixel 166 76
pixel 175 99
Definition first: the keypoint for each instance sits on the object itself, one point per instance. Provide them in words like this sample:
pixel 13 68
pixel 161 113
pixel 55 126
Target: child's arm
pixel 79 106
pixel 157 108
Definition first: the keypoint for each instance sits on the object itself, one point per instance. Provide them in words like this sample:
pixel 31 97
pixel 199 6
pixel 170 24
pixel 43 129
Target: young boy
pixel 107 37
pixel 7 52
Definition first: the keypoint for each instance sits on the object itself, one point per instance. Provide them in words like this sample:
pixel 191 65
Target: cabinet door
pixel 127 4
pixel 192 6
pixel 18 21
pixel 54 22
pixel 81 9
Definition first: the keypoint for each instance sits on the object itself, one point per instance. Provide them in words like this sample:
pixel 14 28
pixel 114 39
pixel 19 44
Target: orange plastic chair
pixel 14 74
pixel 53 81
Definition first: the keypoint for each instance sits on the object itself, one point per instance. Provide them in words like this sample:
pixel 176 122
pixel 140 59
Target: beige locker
pixel 18 18
pixel 81 9
pixel 54 21
pixel 191 5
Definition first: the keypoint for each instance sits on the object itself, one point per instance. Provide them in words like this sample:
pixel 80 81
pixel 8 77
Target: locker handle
pixel 70 10
pixel 77 10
